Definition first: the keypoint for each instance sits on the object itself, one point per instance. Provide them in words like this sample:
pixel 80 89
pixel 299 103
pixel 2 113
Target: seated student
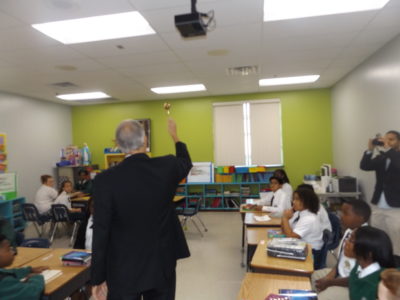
pixel 22 283
pixel 373 251
pixel 332 284
pixel 65 194
pixel 277 201
pixel 322 213
pixel 286 187
pixel 85 231
pixel 389 287
pixel 302 222
pixel 85 183
pixel 45 195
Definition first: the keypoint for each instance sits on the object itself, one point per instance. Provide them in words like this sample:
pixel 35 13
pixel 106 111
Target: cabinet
pixel 112 159
pixel 11 210
pixel 223 195
pixel 71 173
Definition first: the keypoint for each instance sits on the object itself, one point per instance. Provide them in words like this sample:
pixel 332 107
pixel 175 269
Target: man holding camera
pixel 383 157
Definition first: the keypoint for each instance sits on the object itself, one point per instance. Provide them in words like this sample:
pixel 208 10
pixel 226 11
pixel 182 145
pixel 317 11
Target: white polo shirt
pixel 308 228
pixel 44 198
pixel 280 202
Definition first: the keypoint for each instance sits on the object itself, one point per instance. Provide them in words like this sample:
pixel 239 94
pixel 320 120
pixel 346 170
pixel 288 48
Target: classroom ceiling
pixel 31 63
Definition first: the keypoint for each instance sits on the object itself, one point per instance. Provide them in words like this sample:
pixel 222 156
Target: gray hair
pixel 129 135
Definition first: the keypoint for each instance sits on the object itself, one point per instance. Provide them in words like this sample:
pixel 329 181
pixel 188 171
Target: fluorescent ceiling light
pixel 83 96
pixel 97 28
pixel 293 9
pixel 288 80
pixel 179 89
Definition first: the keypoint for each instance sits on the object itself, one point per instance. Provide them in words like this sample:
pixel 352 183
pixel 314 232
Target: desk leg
pixel 243 231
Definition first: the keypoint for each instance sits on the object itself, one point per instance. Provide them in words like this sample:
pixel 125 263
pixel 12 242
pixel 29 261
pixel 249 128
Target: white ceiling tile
pixel 140 44
pixel 33 12
pixel 151 5
pixel 7 21
pixel 162 69
pixel 172 79
pixel 138 59
pixel 24 38
pixel 375 36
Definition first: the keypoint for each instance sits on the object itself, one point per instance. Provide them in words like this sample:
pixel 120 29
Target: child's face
pixel 68 187
pixel 274 185
pixel 349 245
pixel 297 203
pixel 6 254
pixel 348 218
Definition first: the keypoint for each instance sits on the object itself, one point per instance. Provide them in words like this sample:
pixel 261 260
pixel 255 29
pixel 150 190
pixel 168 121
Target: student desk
pixel 243 211
pixel 81 202
pixel 27 254
pixel 71 279
pixel 257 286
pixel 263 263
pixel 249 220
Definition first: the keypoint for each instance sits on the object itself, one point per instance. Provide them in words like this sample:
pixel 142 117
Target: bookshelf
pixel 11 210
pixel 225 195
pixel 112 159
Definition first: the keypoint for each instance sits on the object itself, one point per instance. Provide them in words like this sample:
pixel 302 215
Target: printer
pixel 344 184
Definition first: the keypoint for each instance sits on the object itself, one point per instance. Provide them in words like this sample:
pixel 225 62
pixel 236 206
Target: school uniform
pixel 84 186
pixel 363 283
pixel 11 287
pixel 305 224
pixel 63 198
pixel 89 234
pixel 287 188
pixel 275 202
pixel 324 219
pixel 344 266
pixel 44 198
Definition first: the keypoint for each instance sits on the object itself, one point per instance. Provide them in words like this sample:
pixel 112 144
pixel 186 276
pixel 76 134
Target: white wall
pixel 366 102
pixel 36 131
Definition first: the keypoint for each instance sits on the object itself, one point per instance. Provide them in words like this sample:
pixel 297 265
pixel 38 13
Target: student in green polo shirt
pixel 22 283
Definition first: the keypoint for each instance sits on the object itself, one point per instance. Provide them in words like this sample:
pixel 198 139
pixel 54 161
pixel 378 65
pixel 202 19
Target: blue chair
pixel 36 243
pixel 189 213
pixel 61 214
pixel 331 238
pixel 31 214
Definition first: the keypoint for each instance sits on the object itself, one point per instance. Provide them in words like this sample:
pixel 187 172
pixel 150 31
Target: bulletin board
pixel 3 153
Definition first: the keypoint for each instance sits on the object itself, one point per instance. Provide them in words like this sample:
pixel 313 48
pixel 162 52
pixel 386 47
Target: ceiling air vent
pixel 242 71
pixel 65 84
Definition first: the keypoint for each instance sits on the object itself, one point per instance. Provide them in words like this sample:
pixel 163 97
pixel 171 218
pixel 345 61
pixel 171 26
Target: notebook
pixel 49 275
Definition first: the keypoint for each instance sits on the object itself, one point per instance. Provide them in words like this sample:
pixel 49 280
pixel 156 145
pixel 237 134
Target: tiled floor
pixel 213 271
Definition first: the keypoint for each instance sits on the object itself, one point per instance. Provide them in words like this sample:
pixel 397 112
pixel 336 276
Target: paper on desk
pixel 49 275
pixel 264 218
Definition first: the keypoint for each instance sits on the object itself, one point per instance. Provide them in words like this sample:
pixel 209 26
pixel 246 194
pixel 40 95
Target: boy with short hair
pixel 333 283
pixel 22 283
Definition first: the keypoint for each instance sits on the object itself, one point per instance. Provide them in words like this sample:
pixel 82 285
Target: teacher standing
pixel 137 237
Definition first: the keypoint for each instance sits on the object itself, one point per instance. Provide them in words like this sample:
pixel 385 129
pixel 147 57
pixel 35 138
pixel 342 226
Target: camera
pixel 376 141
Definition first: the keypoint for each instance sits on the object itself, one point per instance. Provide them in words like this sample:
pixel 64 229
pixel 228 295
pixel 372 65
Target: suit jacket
pixel 387 181
pixel 137 236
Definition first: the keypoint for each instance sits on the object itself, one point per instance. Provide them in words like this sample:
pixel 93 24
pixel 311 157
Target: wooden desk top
pixel 243 210
pixel 27 254
pixel 281 265
pixel 178 198
pixel 86 198
pixel 256 286
pixel 53 261
pixel 250 221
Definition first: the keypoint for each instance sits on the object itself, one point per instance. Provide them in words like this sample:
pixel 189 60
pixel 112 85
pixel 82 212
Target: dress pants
pixel 166 293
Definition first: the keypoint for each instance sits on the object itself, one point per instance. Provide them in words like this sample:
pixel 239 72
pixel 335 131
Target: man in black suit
pixel 384 159
pixel 137 237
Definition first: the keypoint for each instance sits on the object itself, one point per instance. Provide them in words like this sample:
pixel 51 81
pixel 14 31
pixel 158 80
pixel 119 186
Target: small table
pixel 257 286
pixel 249 220
pixel 71 279
pixel 80 202
pixel 27 254
pixel 263 263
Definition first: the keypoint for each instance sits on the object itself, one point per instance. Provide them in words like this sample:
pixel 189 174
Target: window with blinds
pixel 248 133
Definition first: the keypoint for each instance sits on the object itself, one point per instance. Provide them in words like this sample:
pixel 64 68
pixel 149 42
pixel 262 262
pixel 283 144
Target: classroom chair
pixel 61 214
pixel 31 214
pixel 36 243
pixel 189 213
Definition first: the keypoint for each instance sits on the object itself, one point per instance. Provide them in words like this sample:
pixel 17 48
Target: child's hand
pixel 38 270
pixel 288 213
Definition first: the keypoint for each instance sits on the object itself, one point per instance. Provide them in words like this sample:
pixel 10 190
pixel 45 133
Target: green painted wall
pixel 306 126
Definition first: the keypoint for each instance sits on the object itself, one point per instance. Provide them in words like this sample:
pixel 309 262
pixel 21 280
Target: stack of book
pixel 287 248
pixel 76 258
pixel 290 294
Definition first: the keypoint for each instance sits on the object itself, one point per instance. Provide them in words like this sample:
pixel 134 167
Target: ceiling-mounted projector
pixel 193 24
